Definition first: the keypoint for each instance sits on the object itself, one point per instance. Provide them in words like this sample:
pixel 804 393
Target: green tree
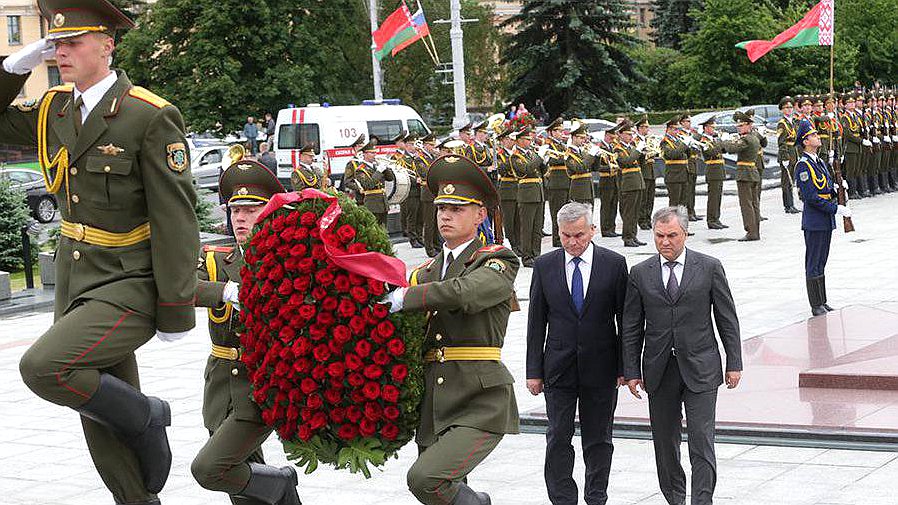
pixel 869 26
pixel 572 54
pixel 673 20
pixel 13 215
pixel 664 84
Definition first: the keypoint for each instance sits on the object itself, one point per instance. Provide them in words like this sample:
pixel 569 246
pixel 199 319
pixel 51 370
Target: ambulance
pixel 332 128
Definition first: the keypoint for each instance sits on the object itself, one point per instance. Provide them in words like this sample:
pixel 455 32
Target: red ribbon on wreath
pixel 373 265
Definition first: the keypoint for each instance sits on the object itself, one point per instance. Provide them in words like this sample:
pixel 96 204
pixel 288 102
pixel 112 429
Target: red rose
pixel 373 411
pixel 319 420
pixel 386 329
pixel 317 332
pixel 294 395
pixel 281 369
pixel 332 396
pixel 292 412
pixel 347 431
pixel 305 414
pixel 321 352
pixel 300 233
pixel 391 412
pixel 381 357
pixel 399 373
pixel 329 304
pixel 307 311
pixel 356 248
pixel 373 372
pixel 341 283
pixel 286 353
pixel 337 415
pixel 341 334
pixel 302 284
pixel 318 252
pixel 301 346
pixel 356 279
pixel 260 396
pixel 267 289
pixel 346 308
pixel 314 401
pixel 336 348
pixel 336 369
pixel 286 334
pixel 353 413
pixel 356 396
pixel 346 233
pixel 389 432
pixel 276 274
pixel 306 265
pixel 357 325
pixel 302 365
pixel 286 430
pixel 363 348
pixel 375 287
pixel 359 294
pixel 291 219
pixel 367 428
pixel 353 362
pixel 326 318
pixel 277 224
pixel 298 250
pixel 371 390
pixel 290 264
pixel 308 385
pixel 268 416
pixel 304 433
pixel 272 241
pixel 380 310
pixel 287 234
pixel 396 347
pixel 355 380
pixel 315 233
pixel 390 393
pixel 319 372
pixel 318 293
pixel 308 218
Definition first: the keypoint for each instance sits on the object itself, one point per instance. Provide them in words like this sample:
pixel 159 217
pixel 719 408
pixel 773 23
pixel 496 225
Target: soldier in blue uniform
pixel 818 218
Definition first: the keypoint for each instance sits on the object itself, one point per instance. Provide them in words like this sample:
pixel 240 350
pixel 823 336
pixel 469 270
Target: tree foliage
pixel 673 20
pixel 13 215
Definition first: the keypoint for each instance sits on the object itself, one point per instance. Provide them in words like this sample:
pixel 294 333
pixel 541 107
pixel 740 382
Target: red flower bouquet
pixel 335 374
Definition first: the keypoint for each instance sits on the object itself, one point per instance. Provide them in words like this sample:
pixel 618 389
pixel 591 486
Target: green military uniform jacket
pixel 606 166
pixel 422 168
pixel 306 176
pixel 128 171
pixel 630 162
pixel 579 168
pixel 746 149
pixel 508 179
pixel 225 391
pixel 691 166
pixel 468 308
pixel 785 133
pixel 676 158
pixel 851 133
pixel 407 161
pixel 557 176
pixel 479 153
pixel 370 183
pixel 530 169
pixel 712 153
pixel 648 163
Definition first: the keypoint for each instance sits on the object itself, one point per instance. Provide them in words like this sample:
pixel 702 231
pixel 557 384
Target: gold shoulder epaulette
pixel 148 96
pixel 215 248
pixel 491 248
pixel 62 88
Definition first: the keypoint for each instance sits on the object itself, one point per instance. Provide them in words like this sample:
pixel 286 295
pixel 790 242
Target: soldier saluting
pixel 304 174
pixel 117 157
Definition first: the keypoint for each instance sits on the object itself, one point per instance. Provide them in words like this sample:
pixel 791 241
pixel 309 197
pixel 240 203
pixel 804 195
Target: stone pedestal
pixel 47 267
pixel 5 288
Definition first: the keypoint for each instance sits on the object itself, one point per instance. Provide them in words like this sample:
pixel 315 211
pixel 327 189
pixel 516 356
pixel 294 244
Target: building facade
pixel 22 24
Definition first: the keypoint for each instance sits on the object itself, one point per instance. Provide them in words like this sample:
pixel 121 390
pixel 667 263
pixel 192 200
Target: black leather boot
pixel 852 188
pixel 814 296
pixel 863 191
pixel 271 484
pixel 822 285
pixel 467 496
pixel 140 420
pixel 884 182
pixel 874 185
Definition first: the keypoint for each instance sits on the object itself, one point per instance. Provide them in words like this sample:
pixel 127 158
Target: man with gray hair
pixel 573 351
pixel 670 351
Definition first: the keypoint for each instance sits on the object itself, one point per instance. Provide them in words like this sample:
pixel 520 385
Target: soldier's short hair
pixel 665 214
pixel 573 211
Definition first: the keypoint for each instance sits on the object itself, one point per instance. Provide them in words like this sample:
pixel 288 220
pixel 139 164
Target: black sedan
pixel 43 204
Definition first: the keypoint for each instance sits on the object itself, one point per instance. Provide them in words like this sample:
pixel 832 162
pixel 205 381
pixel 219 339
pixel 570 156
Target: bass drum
pixel 397 191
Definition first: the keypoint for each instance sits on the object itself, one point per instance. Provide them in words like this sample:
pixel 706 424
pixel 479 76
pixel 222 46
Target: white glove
pixel 231 294
pixel 875 140
pixel 845 183
pixel 867 143
pixel 26 59
pixel 381 167
pixel 843 210
pixel 395 299
pixel 171 337
pixel 831 158
pixel 894 138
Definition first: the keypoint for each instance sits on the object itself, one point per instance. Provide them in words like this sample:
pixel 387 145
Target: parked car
pixel 725 123
pixel 207 163
pixel 768 111
pixel 43 205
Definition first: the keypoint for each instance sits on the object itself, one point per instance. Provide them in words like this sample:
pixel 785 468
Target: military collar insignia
pixel 110 150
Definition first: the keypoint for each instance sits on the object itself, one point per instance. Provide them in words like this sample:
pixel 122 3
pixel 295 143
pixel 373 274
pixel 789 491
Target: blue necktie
pixel 577 286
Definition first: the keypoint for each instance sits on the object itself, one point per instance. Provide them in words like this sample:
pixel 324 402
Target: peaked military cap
pixel 370 146
pixel 466 128
pixel 806 99
pixel 643 122
pixel 456 180
pixel 785 101
pixel 430 138
pixel 557 124
pixel 710 121
pixel 674 121
pixel 71 18
pixel 625 126
pixel 685 117
pixel 451 144
pixel 480 127
pixel 248 182
pixel 818 100
pixel 743 117
pixel 805 128
pixel 308 149
pixel 578 128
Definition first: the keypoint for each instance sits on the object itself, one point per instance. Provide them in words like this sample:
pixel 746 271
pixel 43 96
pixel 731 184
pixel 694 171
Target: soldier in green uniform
pixel 786 155
pixel 530 169
pixel 413 221
pixel 748 180
pixel 477 150
pixel 351 165
pixel 712 154
pixel 231 461
pixel 676 158
pixel 368 180
pixel 868 153
pixel 647 201
pixel 881 155
pixel 427 154
pixel 851 146
pixel 759 160
pixel 890 133
pixel 691 166
pixel 116 156
pixel 508 189
pixel 558 183
pixel 579 166
pixel 468 290
pixel 304 174
pixel 398 157
pixel 606 166
pixel 629 160
pixel 834 130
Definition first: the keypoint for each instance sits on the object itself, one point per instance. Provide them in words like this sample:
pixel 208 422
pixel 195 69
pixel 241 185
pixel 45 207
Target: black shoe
pixel 713 225
pixel 749 238
pixel 763 218
pixel 792 210
pixel 467 496
pixel 693 218
pixel 815 295
pixel 611 234
pixel 546 234
pixel 416 245
pixel 556 244
pixel 645 227
pixel 273 485
pixel 631 243
pixel 527 263
pixel 140 422
pixel 640 242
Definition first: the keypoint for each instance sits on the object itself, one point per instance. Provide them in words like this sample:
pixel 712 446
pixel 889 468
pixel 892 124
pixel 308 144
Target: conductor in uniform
pixel 304 174
pixel 468 290
pixel 368 180
pixel 231 460
pixel 814 179
pixel 116 157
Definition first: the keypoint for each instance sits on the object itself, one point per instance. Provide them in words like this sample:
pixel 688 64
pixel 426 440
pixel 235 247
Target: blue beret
pixel 805 128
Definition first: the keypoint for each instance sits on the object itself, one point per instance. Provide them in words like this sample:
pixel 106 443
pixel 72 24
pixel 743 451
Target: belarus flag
pixel 399 30
pixel 815 29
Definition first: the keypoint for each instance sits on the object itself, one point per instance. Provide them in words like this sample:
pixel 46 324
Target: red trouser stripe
pixel 83 354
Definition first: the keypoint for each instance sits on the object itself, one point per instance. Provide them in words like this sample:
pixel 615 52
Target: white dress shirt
pixel 678 269
pixel 455 253
pixel 92 96
pixel 585 268
pixel 396 297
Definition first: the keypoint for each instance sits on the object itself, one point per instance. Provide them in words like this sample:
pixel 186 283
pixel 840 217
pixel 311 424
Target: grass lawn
pixel 17 279
pixel 31 166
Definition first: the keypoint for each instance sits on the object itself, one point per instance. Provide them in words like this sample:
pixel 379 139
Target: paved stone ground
pixel 43 459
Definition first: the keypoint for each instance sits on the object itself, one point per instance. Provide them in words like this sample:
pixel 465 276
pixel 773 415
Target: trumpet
pixel 595 150
pixel 650 146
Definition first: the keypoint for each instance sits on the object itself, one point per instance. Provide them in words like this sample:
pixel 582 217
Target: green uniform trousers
pixel 689 197
pixel 647 203
pixel 429 226
pixel 608 198
pixel 852 163
pixel 440 468
pixel 557 198
pixel 64 365
pixel 530 229
pixel 510 223
pixel 223 463
pixel 749 196
pixel 411 217
pixel 676 193
pixel 629 211
pixel 715 194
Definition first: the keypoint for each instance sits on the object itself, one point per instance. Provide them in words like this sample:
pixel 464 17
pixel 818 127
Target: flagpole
pixel 832 59
pixel 375 63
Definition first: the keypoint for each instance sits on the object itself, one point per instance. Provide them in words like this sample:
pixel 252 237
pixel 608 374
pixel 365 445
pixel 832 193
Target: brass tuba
pixel 236 152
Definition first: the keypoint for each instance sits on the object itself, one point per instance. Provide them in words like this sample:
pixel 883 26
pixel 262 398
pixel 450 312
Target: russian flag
pixel 419 24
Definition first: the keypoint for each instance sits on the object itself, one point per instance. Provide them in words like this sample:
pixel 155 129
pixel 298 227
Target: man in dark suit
pixel 578 293
pixel 667 323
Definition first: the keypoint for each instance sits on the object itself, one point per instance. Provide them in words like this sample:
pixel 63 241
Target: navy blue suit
pixel 579 359
pixel 818 217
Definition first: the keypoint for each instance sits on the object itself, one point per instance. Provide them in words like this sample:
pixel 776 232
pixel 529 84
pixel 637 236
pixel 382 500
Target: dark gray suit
pixel 658 328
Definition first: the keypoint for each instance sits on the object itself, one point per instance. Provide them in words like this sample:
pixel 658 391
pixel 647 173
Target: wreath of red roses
pixel 334 373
